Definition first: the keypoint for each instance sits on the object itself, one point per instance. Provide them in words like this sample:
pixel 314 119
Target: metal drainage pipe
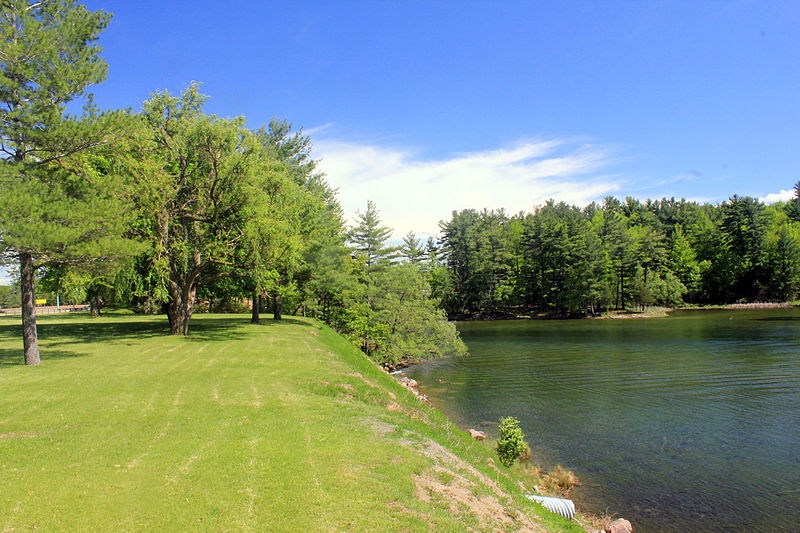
pixel 561 506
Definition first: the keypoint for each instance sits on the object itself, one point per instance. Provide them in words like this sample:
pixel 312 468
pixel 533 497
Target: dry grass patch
pixel 463 496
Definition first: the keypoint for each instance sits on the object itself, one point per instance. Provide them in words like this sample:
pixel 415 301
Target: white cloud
pixel 415 194
pixel 783 196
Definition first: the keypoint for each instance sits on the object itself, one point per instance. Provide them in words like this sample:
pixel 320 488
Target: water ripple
pixel 691 422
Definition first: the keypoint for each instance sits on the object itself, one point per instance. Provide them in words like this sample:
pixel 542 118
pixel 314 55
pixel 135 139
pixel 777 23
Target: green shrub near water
pixel 512 441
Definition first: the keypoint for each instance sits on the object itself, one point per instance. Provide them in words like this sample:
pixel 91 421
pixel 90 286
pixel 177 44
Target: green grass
pixel 279 426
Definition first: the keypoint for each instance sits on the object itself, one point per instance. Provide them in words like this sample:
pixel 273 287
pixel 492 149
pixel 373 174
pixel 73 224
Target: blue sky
pixel 426 107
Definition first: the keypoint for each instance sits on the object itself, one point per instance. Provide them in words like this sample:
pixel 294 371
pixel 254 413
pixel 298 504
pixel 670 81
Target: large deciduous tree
pixel 194 175
pixel 55 205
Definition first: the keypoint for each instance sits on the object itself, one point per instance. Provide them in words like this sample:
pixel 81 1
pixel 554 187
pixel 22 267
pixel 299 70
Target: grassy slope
pixel 279 426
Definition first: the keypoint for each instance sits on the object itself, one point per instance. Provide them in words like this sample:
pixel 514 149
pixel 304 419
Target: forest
pixel 565 260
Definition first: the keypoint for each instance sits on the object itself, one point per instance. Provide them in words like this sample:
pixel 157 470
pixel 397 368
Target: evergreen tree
pixel 56 208
pixel 412 249
pixel 369 240
pixel 744 226
pixel 782 257
pixel 391 314
pixel 793 205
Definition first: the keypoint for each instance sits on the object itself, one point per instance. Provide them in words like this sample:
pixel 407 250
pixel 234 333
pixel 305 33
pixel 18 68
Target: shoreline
pixel 588 520
pixel 614 314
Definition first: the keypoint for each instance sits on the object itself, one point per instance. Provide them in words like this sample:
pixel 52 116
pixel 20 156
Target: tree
pixel 390 314
pixel 412 249
pixel 411 326
pixel 369 239
pixel 744 227
pixel 782 251
pixel 318 226
pixel 459 254
pixel 195 176
pixel 683 262
pixel 272 234
pixel 48 58
pixel 621 253
pixel 793 205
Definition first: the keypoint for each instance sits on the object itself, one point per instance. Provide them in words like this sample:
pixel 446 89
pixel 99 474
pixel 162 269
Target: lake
pixel 686 423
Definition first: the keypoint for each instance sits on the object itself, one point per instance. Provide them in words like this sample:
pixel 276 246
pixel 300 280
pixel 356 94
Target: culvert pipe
pixel 560 506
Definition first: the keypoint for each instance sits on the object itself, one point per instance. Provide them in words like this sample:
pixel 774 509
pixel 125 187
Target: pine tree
pixel 55 206
pixel 412 249
pixel 369 239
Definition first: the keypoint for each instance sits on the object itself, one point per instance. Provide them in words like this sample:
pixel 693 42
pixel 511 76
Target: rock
pixel 408 382
pixel 620 525
pixel 478 435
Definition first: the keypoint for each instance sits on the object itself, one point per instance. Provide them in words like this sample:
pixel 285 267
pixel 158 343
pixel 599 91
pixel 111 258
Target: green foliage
pixel 369 240
pixel 683 261
pixel 208 197
pixel 389 311
pixel 412 328
pixel 563 260
pixel 62 199
pixel 782 259
pixel 10 295
pixel 412 249
pixel 512 441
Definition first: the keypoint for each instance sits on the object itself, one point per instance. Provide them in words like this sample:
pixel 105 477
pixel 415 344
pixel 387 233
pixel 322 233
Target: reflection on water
pixel 688 423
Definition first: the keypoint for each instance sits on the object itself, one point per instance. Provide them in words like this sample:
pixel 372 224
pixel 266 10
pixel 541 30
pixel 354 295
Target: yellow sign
pixel 41 302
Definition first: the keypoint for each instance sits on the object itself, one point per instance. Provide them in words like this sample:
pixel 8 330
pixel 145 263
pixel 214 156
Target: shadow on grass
pixel 15 357
pixel 79 329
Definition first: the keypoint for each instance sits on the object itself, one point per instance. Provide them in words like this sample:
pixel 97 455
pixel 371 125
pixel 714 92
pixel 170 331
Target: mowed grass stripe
pixel 238 427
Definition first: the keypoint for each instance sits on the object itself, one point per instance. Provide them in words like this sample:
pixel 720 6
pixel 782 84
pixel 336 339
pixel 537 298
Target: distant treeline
pixel 561 259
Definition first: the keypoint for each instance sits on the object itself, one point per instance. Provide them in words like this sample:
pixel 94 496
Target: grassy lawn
pixel 272 427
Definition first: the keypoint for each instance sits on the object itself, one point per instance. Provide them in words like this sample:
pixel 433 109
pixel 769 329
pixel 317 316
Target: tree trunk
pixel 29 337
pixel 256 318
pixel 277 306
pixel 94 306
pixel 180 308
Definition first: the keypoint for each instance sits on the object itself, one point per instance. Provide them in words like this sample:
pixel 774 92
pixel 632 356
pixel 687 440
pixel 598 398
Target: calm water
pixel 688 423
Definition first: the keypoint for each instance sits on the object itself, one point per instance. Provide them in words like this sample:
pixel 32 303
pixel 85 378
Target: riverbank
pixel 238 426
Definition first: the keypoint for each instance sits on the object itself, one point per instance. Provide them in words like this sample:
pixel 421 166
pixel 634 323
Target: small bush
pixel 512 441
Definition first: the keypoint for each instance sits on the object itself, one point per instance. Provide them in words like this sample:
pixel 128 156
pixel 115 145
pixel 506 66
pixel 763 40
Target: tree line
pixel 171 209
pixel 564 260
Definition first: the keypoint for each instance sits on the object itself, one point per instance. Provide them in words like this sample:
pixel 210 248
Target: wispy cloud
pixel 318 129
pixel 414 194
pixel 691 175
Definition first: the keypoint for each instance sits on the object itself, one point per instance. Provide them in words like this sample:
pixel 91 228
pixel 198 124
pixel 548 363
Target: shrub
pixel 512 441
